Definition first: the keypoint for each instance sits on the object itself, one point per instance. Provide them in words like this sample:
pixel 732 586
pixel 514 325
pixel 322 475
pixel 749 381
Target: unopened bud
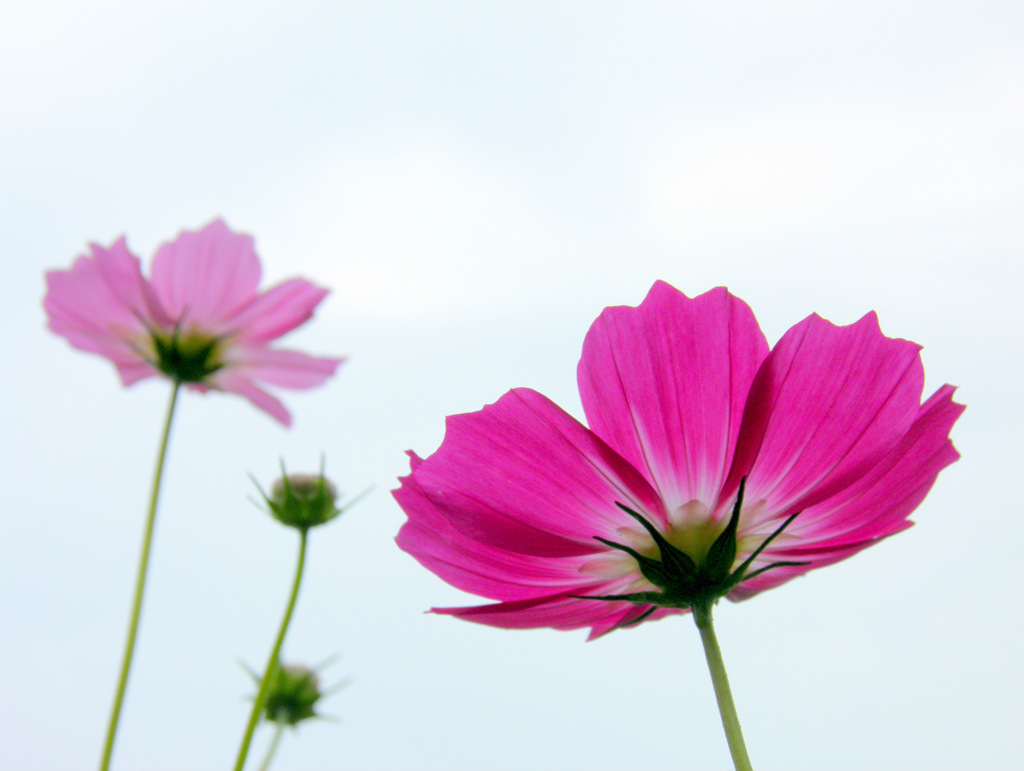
pixel 294 690
pixel 303 500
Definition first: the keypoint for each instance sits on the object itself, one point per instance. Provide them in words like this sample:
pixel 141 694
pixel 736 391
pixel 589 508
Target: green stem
pixel 726 707
pixel 278 730
pixel 272 662
pixel 140 585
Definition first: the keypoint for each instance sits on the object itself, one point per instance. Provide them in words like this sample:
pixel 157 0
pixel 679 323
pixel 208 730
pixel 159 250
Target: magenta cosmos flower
pixel 702 446
pixel 199 319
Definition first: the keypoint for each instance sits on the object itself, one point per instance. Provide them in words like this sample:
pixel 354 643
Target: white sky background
pixel 476 181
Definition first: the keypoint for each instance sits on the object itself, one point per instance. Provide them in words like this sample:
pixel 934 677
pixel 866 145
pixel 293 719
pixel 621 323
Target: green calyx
pixel 302 501
pixel 188 358
pixel 684 583
pixel 294 690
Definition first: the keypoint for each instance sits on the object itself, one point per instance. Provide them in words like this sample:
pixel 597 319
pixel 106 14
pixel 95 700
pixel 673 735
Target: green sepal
pixel 652 569
pixel 683 583
pixel 741 571
pixel 639 618
pixel 303 501
pixel 675 560
pixel 294 691
pixel 188 358
pixel 636 598
pixel 722 554
pixel 759 571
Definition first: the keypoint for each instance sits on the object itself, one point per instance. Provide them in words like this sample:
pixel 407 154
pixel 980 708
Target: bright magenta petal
pixel 882 499
pixel 205 277
pixel 875 507
pixel 523 475
pixel 522 581
pixel 827 405
pixel 559 611
pixel 473 566
pixel 665 384
pixel 628 617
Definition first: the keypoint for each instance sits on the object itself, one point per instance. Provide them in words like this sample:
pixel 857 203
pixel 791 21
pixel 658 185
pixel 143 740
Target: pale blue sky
pixel 476 181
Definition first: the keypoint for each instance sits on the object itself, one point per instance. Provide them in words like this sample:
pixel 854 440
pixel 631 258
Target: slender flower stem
pixel 730 722
pixel 272 662
pixel 278 731
pixel 140 585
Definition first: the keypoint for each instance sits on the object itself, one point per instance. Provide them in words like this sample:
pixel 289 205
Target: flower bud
pixel 294 689
pixel 303 500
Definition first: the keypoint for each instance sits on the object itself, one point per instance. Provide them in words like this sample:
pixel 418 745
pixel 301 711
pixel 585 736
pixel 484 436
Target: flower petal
pixel 121 272
pixel 470 565
pixel 132 370
pixel 601 628
pixel 236 382
pixel 98 307
pixel 524 476
pixel 79 302
pixel 880 502
pixel 665 384
pixel 204 277
pixel 288 369
pixel 827 405
pixel 559 611
pixel 277 311
pixel 519 580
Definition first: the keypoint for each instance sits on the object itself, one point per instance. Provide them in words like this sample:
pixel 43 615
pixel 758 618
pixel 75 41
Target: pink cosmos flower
pixel 695 427
pixel 199 319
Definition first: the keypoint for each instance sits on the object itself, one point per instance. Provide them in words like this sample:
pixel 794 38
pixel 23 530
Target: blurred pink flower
pixel 684 400
pixel 198 319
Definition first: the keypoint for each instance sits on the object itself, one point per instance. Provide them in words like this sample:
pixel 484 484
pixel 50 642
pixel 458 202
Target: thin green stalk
pixel 278 731
pixel 140 585
pixel 272 662
pixel 726 707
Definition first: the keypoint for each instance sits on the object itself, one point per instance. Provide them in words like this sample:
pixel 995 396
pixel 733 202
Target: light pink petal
pixel 204 277
pixel 277 311
pixel 665 384
pixel 470 565
pixel 121 272
pixel 90 306
pixel 524 476
pixel 235 382
pixel 80 301
pixel 827 405
pixel 133 370
pixel 287 369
